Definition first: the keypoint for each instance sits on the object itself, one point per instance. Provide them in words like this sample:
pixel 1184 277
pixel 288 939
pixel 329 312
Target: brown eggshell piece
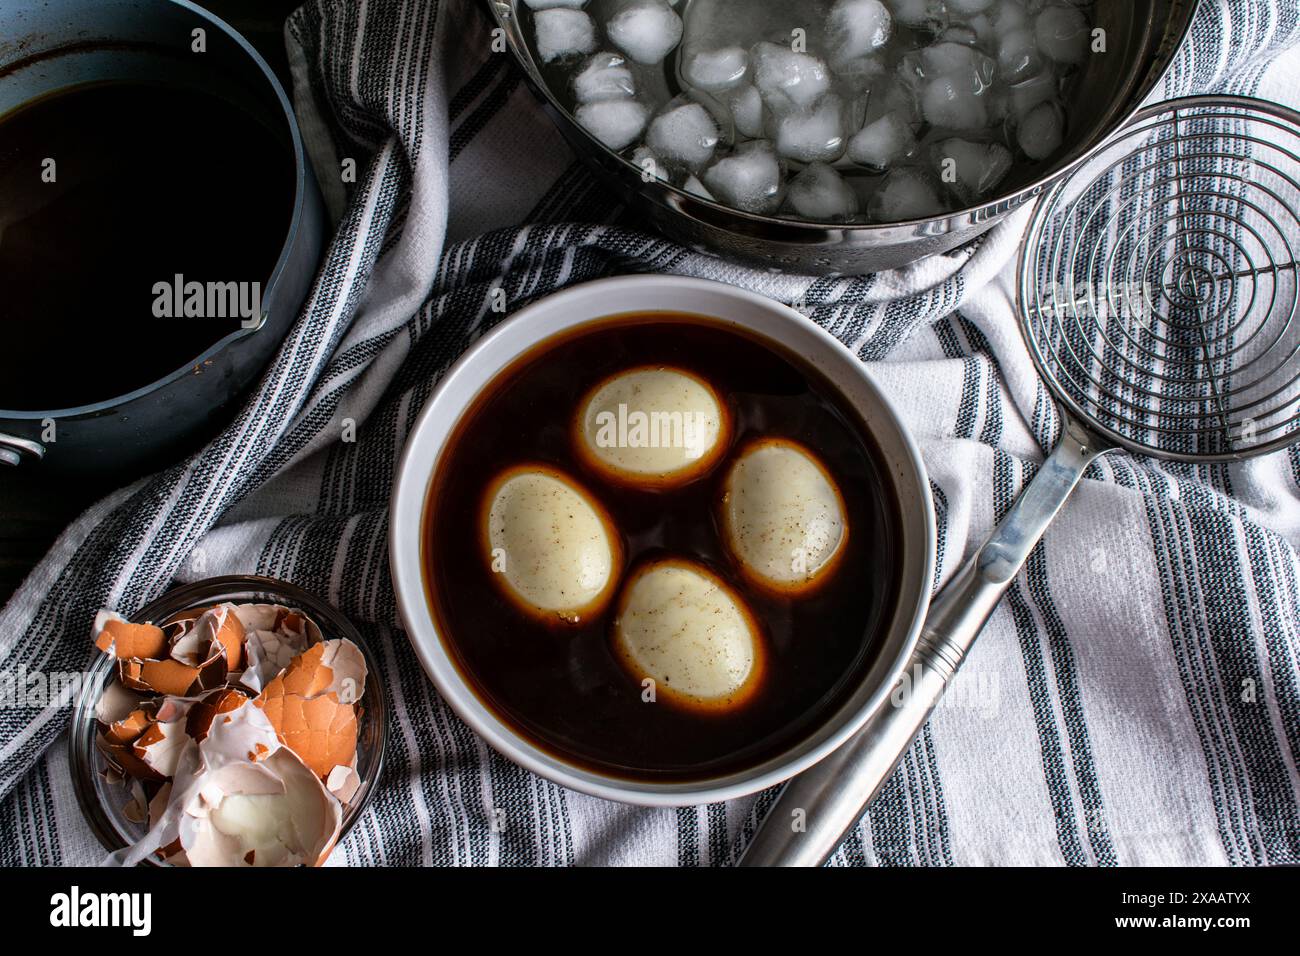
pixel 160 677
pixel 320 730
pixel 201 715
pixel 227 632
pixel 123 757
pixel 119 637
pixel 164 677
pixel 127 729
pixel 307 716
pixel 159 747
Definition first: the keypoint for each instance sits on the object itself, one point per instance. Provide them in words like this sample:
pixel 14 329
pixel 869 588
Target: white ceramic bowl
pixel 760 317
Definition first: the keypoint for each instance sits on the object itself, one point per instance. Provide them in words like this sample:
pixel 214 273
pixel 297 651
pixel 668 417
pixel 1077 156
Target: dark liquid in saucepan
pixel 562 687
pixel 149 181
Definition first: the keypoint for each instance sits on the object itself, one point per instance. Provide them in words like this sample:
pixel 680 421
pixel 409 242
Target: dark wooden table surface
pixel 34 507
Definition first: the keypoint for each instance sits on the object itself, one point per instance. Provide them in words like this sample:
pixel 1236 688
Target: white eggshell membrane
pixel 652 426
pixel 683 627
pixel 783 516
pixel 549 543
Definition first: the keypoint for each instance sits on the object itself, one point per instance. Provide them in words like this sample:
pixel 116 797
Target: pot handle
pixel 819 807
pixel 15 450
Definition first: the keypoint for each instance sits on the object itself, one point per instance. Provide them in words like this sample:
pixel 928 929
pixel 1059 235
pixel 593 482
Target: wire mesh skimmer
pixel 1158 298
pixel 1159 284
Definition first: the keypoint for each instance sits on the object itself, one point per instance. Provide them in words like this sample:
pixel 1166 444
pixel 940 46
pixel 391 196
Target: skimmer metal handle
pixel 820 806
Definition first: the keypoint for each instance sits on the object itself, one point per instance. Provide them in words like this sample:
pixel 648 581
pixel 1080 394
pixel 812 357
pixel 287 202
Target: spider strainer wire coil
pixel 1159 282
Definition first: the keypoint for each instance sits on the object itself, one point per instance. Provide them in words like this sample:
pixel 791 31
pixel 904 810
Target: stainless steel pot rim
pixel 107 406
pixel 411 595
pixel 501 12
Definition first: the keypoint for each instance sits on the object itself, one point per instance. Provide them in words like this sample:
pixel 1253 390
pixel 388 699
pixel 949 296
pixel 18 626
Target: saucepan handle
pixel 820 806
pixel 15 450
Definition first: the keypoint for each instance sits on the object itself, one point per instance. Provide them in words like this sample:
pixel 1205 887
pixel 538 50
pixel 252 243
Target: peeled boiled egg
pixel 683 627
pixel 549 543
pixel 783 516
pixel 654 426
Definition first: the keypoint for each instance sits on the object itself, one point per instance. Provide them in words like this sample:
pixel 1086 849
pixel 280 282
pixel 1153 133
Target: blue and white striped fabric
pixel 1135 700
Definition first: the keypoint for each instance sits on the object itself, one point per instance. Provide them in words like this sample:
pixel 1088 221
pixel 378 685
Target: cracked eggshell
pixel 311 707
pixel 272 813
pixel 160 746
pixel 214 630
pixel 654 427
pixel 166 676
pixel 206 708
pixel 130 727
pixel 273 636
pixel 116 636
pixel 188 654
pixel 240 799
pixel 783 517
pixel 548 544
pixel 682 626
pixel 241 736
pixel 115 742
pixel 116 702
pixel 344 782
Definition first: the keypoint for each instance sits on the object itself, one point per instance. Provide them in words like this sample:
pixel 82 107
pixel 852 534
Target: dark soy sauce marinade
pixel 561 686
pixel 150 181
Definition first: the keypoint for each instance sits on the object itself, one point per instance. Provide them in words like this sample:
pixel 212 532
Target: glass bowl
pixel 102 802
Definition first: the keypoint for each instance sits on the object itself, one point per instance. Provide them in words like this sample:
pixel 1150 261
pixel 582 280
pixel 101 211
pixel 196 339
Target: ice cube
pixel 746 105
pixel 1010 15
pixel 893 95
pixel 646 30
pixel 562 32
pixel 883 142
pixel 616 123
pixel 959 61
pixel 986 35
pixel 860 69
pixel 786 79
pixel 1018 56
pixel 697 188
pixel 1042 130
pixel 683 133
pixel 648 163
pixel 820 193
pixel 971 170
pixel 856 28
pixel 604 77
pixel 904 194
pixel 998 103
pixel 749 179
pixel 920 14
pixel 1062 34
pixel 1029 94
pixel 963 35
pixel 812 135
pixel 969 7
pixel 715 70
pixel 950 103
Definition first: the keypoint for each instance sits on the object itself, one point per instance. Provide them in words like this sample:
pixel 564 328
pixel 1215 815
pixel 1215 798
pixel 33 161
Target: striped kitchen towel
pixel 1135 700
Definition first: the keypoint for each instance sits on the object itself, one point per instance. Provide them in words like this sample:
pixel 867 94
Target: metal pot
pixel 1142 38
pixel 54 45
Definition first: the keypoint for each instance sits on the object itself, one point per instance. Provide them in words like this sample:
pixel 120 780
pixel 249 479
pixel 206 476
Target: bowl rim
pixel 465 380
pixel 216 590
